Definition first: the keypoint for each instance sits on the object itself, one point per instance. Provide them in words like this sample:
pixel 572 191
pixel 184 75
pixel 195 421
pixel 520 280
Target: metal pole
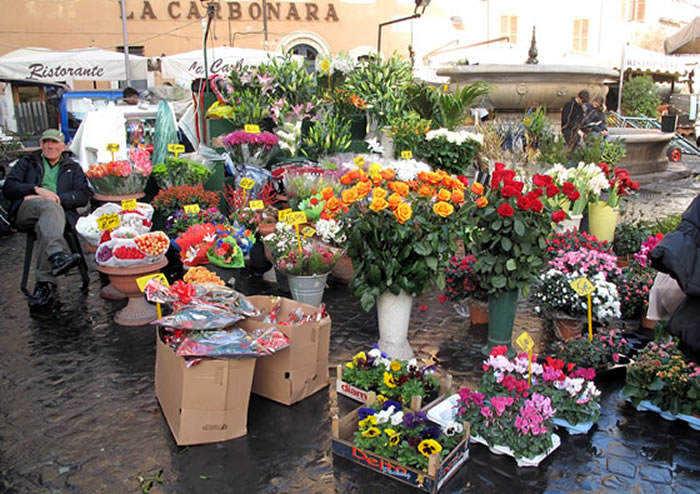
pixel 126 45
pixel 382 24
pixel 264 6
pixel 622 77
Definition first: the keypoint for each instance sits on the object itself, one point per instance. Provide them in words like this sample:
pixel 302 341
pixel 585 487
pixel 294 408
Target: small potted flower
pixel 607 349
pixel 629 235
pixel 167 201
pixel 332 232
pixel 461 284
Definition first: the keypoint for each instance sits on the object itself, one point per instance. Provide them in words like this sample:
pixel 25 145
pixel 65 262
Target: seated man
pixel 46 188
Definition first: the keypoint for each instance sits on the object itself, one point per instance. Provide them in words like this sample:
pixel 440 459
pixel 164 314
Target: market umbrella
pixel 85 64
pixel 686 40
pixel 190 65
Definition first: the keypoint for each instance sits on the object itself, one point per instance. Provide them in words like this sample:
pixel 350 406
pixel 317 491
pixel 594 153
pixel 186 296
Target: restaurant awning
pixel 190 65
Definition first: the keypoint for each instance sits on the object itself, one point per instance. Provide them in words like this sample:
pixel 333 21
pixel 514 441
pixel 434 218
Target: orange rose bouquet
pixel 400 234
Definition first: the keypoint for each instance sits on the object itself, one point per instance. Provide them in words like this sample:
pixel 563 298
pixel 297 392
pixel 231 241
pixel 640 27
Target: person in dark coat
pixel 572 116
pixel 594 119
pixel 678 254
pixel 46 189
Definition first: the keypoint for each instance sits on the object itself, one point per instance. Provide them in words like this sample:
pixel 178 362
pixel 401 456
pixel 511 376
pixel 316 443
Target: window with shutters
pixel 509 27
pixel 636 10
pixel 580 35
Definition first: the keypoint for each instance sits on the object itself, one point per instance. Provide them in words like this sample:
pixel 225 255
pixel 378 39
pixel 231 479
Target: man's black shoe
pixel 43 295
pixel 62 262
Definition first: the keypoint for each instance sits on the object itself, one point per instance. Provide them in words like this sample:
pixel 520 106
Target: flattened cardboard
pixel 206 403
pixel 299 370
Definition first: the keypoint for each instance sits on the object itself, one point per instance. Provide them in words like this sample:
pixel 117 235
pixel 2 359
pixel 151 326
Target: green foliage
pixel 629 235
pixel 664 224
pixel 552 149
pixel 640 97
pixel 408 132
pixel 449 156
pixel 537 125
pixel 596 148
pixel 451 108
pixel 382 84
pixel 330 135
pixel 180 171
pixel 598 353
pixel 292 82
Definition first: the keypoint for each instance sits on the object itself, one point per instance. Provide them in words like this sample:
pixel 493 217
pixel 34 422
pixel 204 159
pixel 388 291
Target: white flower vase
pixel 568 224
pixel 393 316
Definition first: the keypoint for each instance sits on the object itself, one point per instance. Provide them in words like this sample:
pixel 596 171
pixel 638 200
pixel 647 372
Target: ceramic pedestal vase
pixel 307 289
pixel 393 316
pixel 567 224
pixel 502 308
pixel 602 220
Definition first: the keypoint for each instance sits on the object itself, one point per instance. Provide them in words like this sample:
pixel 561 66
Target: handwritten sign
pixel 108 221
pixel 129 204
pixel 308 232
pixel 525 342
pixel 143 280
pixel 282 215
pixel 256 205
pixel 191 208
pixel 246 183
pixel 251 128
pixel 296 218
pixel 583 286
pixel 176 149
pixel 406 155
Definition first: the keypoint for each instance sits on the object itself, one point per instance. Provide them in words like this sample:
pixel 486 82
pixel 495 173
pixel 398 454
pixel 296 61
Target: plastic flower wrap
pixel 250 148
pixel 226 253
pixel 121 177
pixel 180 221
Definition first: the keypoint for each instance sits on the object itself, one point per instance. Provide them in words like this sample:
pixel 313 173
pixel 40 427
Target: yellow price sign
pixel 445 87
pixel 282 215
pixel 113 147
pixel 176 149
pixel 191 208
pixel 359 160
pixel 251 128
pixel 308 232
pixel 295 218
pixel 583 286
pixel 143 280
pixel 256 205
pixel 525 342
pixel 407 155
pixel 246 183
pixel 129 204
pixel 108 221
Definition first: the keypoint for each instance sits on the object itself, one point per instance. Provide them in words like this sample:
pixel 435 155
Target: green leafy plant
pixel 606 349
pixel 552 149
pixel 451 108
pixel 640 97
pixel 629 235
pixel 408 132
pixel 180 171
pixel 329 135
pixel 293 82
pixel 664 224
pixel 596 148
pixel 452 151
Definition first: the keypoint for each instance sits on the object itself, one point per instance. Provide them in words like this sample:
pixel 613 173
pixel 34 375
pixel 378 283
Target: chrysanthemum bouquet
pixel 452 151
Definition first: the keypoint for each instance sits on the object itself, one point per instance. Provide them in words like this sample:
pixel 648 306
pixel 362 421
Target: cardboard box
pixel 299 370
pixel 205 403
pixel 342 445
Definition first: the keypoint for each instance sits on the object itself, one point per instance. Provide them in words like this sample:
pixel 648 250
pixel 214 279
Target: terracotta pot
pixel 342 271
pixel 265 229
pixel 567 328
pixel 623 261
pixel 478 312
pixel 647 323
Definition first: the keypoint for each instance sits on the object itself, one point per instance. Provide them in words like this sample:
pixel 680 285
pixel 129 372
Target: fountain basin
pixel 646 149
pixel 515 88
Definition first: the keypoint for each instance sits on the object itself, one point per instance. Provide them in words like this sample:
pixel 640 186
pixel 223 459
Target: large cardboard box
pixel 299 370
pixel 207 402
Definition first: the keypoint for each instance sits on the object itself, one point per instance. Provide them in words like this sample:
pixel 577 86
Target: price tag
pixel 256 205
pixel 113 147
pixel 406 155
pixel 295 218
pixel 282 215
pixel 191 208
pixel 176 149
pixel 129 204
pixel 583 286
pixel 308 231
pixel 143 280
pixel 359 160
pixel 525 342
pixel 108 221
pixel 246 183
pixel 251 128
pixel 445 87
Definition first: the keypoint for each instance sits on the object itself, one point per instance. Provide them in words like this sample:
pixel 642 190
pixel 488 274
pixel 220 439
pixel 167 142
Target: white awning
pixel 652 62
pixel 221 60
pixel 86 64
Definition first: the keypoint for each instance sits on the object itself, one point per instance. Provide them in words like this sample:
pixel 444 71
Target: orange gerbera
pixel 378 192
pixel 403 212
pixel 394 201
pixel 378 204
pixel 444 195
pixel 349 195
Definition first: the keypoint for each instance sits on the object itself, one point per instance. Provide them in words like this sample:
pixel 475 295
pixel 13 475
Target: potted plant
pixel 400 236
pixel 510 226
pixel 452 151
pixel 629 235
pixel 569 241
pixel 180 221
pixel 602 215
pixel 167 201
pixel 607 349
pixel 461 284
pixel 332 232
pixel 120 178
pixel 180 171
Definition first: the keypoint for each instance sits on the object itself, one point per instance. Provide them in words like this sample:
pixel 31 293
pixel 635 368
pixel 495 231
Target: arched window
pixel 308 52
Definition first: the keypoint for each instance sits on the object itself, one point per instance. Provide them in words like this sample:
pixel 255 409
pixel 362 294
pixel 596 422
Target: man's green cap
pixel 52 135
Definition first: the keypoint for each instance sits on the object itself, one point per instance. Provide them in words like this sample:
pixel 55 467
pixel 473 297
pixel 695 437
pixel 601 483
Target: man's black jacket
pixel 71 184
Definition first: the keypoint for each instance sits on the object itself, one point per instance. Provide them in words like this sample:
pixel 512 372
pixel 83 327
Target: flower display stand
pixel 137 312
pixel 393 317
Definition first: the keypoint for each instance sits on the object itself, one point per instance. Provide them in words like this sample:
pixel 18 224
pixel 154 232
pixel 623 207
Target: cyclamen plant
pixel 575 240
pixel 460 280
pixel 607 348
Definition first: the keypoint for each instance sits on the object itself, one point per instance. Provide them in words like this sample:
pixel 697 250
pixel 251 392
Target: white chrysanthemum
pixel 374 146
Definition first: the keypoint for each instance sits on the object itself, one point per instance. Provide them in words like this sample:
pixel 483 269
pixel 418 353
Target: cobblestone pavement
pixel 78 412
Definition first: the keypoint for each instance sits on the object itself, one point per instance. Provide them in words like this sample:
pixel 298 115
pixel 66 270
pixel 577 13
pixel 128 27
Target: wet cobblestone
pixel 78 411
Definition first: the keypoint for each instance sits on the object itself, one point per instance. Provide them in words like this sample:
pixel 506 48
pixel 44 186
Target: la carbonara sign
pixel 236 11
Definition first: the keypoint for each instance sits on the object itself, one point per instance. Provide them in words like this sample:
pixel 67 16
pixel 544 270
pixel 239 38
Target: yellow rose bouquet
pixel 400 235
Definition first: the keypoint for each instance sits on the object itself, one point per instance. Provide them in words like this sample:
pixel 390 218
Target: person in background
pixel 46 189
pixel 594 119
pixel 130 96
pixel 572 116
